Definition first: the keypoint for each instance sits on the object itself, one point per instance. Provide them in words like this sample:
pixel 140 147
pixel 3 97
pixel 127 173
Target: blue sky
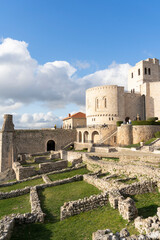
pixel 51 51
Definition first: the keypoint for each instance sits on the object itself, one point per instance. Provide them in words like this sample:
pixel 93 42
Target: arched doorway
pixel 95 137
pixel 85 137
pixel 51 145
pixel 80 137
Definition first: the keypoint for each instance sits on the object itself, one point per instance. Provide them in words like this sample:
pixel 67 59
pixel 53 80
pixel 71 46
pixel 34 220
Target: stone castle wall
pixel 33 141
pixel 14 142
pixel 128 134
pixel 102 105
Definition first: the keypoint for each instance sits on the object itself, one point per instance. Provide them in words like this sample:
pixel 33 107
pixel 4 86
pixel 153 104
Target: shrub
pixel 152 119
pixel 144 122
pixel 157 134
pixel 119 123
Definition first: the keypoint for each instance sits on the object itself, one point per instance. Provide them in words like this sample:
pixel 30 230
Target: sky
pixel 51 51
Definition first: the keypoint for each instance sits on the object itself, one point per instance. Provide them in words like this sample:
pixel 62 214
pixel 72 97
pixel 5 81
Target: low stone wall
pixel 7 223
pixel 19 192
pixel 83 205
pixel 46 179
pixel 55 155
pixel 97 182
pixel 114 196
pixel 71 155
pixel 150 225
pixel 48 167
pixel 137 157
pixel 127 208
pixel 139 188
pixel 60 182
pixel 35 205
pixel 40 176
pixel 121 168
pixel 47 158
pixel 23 172
pixel 122 235
pixel 14 193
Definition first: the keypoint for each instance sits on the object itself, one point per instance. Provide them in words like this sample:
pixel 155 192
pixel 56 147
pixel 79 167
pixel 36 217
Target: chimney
pixel 69 115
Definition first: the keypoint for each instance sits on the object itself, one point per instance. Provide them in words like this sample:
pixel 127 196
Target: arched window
pixel 105 102
pixel 80 137
pixel 145 71
pixel 97 103
pixel 149 71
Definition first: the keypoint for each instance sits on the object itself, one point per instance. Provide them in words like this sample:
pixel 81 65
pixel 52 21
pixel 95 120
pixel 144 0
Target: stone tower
pixel 6 143
pixel 145 71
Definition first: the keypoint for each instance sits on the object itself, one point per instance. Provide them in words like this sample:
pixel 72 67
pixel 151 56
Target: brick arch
pixel 85 137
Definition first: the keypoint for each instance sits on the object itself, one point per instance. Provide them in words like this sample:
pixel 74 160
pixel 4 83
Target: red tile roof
pixel 76 115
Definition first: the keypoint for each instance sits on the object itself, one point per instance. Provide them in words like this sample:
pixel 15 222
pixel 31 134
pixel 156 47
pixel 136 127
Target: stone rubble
pixel 122 235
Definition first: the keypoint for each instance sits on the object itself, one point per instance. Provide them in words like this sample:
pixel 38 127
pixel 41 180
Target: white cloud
pixel 82 64
pixel 23 80
pixel 37 120
pixel 115 74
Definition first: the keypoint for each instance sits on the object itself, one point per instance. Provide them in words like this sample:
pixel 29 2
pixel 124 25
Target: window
pixel 149 71
pixel 131 75
pixel 145 71
pixel 97 103
pixel 105 103
pixel 139 72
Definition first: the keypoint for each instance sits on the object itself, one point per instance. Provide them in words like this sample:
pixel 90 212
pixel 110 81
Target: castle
pixel 105 105
pixel 109 104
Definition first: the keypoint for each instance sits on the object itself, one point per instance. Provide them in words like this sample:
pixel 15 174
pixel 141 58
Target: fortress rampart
pixel 14 142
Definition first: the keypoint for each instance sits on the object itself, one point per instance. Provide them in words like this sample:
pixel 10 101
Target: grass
pixel 78 227
pixel 104 175
pixel 19 204
pixel 72 173
pixel 129 181
pixel 132 145
pixel 83 150
pixel 30 163
pixel 110 159
pixel 22 185
pixel 147 203
pixel 150 141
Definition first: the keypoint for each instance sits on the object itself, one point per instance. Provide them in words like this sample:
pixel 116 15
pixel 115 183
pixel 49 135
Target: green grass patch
pixel 104 175
pixel 132 145
pixel 129 181
pixel 69 164
pixel 150 141
pixel 147 203
pixel 78 227
pixel 83 150
pixel 110 159
pixel 64 175
pixel 22 185
pixel 36 165
pixel 19 204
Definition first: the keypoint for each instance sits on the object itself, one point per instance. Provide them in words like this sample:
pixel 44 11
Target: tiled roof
pixel 76 115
